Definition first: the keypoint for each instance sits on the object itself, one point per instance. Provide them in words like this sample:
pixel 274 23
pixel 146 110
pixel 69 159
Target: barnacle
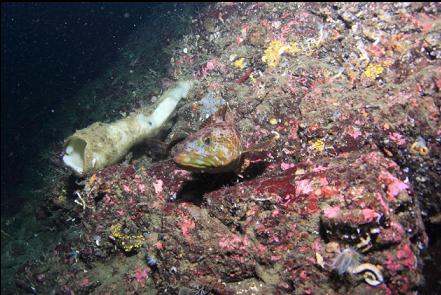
pixel 419 147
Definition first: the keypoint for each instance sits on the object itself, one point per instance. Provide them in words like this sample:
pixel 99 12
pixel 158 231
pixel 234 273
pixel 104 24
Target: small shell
pixel 419 147
pixel 273 121
pixel 97 240
pixel 319 259
pixel 372 279
pixel 372 274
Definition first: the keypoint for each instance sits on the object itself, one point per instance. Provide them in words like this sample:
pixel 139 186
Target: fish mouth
pixel 191 160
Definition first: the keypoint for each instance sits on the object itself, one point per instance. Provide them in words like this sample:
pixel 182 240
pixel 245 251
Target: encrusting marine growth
pixel 101 144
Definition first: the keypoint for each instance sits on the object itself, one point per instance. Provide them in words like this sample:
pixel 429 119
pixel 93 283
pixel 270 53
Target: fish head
pixel 213 149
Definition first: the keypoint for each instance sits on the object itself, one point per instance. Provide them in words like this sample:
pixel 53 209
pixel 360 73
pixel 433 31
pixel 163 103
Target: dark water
pixel 48 53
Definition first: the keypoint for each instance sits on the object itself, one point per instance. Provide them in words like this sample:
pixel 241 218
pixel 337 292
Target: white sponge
pixel 101 144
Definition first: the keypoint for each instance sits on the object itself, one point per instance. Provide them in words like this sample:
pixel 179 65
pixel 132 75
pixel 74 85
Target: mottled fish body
pixel 215 148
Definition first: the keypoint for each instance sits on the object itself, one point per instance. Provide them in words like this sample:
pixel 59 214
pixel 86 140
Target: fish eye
pixel 207 140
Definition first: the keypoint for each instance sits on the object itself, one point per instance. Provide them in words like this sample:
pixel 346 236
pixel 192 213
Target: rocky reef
pixel 340 203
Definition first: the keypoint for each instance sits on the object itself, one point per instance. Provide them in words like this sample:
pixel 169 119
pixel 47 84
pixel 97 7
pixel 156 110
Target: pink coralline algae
pixel 404 259
pixel 141 275
pixel 303 187
pixel 286 166
pixel 293 134
pixel 187 224
pixel 406 256
pixel 239 40
pixel 392 235
pixel 109 201
pixel 398 138
pixel 234 242
pixel 394 185
pixel 370 215
pixel 182 172
pixel 286 30
pixel 373 158
pixel 354 132
pixel 158 186
pixel 185 60
pixel 211 65
pixel 353 216
pixel 120 212
pixel 420 20
pixel 84 282
pixel 331 212
pixel 127 189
